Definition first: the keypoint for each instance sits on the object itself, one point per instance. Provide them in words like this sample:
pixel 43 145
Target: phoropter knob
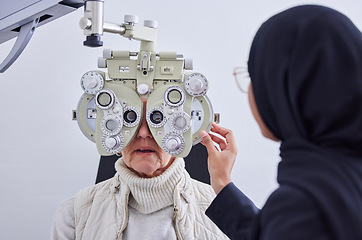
pixel 150 23
pixel 111 124
pixel 173 143
pixel 110 142
pixel 92 82
pixel 180 122
pixel 196 84
pixel 131 19
pixel 113 144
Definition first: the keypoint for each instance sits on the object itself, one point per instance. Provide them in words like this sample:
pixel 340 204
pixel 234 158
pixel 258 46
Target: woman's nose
pixel 144 131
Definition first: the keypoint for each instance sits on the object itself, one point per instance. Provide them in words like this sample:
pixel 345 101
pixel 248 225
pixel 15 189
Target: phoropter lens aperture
pixel 130 116
pixel 156 117
pixel 104 99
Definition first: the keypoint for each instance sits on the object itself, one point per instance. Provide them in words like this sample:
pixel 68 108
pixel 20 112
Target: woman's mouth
pixel 145 150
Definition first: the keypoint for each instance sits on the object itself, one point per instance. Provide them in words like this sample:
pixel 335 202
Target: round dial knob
pixel 173 143
pixel 196 84
pixel 180 122
pixel 92 82
pixel 131 19
pixel 85 23
pixel 143 89
pixel 110 142
pixel 111 124
pixel 117 109
pixel 113 144
pixel 150 23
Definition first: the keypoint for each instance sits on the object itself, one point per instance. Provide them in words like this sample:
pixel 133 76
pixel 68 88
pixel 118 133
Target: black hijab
pixel 305 65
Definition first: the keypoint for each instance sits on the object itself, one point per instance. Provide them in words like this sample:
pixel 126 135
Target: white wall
pixel 44 157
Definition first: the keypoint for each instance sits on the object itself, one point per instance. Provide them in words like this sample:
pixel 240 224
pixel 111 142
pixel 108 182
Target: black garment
pixel 305 66
pixel 232 212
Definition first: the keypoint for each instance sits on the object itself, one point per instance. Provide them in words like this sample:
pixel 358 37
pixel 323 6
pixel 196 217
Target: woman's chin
pixel 145 167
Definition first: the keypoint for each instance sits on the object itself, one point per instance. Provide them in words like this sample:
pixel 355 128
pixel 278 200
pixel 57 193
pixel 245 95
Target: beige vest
pixel 101 211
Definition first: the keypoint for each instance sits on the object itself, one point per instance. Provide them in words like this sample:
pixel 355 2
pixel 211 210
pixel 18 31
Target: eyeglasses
pixel 242 78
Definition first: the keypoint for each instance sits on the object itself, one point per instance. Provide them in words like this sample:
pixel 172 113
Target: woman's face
pixel 143 155
pixel 264 129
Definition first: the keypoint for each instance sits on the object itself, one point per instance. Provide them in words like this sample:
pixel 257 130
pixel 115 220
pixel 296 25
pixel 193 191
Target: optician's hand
pixel 220 162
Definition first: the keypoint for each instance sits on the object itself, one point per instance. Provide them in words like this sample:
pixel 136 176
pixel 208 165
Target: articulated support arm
pixel 25 34
pixel 94 25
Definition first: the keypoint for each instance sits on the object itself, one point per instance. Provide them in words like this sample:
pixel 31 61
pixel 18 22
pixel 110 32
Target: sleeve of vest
pixel 63 226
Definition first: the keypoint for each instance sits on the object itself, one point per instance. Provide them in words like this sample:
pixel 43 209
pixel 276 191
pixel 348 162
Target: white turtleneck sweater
pixel 151 202
pixel 150 205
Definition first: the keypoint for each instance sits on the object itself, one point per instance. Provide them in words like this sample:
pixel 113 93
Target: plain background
pixel 45 158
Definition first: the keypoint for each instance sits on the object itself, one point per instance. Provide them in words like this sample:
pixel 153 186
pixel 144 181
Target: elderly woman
pixel 151 197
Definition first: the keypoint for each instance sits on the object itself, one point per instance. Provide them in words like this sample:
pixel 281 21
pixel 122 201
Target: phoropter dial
pixel 92 82
pixel 174 96
pixel 113 144
pixel 111 124
pixel 196 84
pixel 105 99
pixel 173 143
pixel 180 122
